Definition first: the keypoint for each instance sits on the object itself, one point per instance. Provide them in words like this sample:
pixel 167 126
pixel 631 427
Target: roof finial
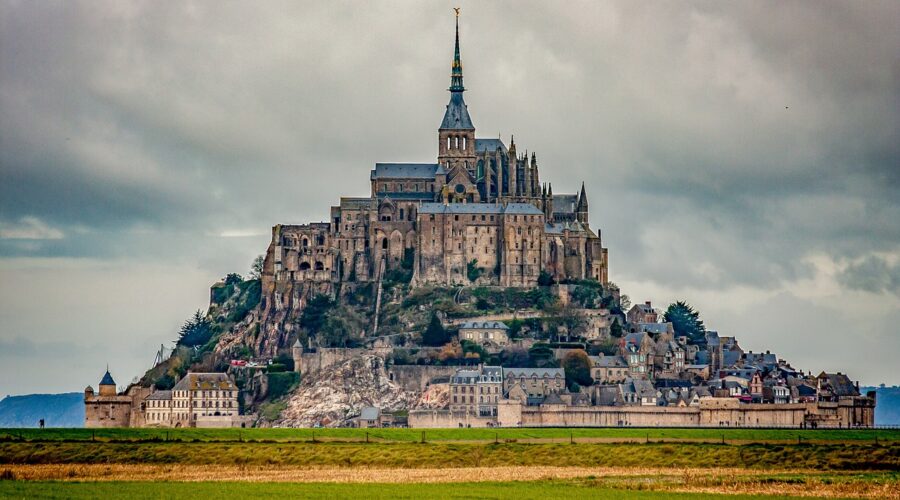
pixel 456 77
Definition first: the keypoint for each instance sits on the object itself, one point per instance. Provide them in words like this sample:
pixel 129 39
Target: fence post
pixel 423 437
pixel 367 436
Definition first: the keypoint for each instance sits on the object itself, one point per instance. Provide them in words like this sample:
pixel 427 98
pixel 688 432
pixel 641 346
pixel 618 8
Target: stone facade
pixel 478 212
pixel 197 400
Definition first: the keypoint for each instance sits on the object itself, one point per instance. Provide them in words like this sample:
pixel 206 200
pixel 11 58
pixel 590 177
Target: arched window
pixel 448 142
pixel 305 242
pixel 464 142
pixel 304 266
pixel 384 243
pixel 456 142
pixel 320 266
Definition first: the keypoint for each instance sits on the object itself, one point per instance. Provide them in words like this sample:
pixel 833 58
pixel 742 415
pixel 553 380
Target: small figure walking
pixel 42 423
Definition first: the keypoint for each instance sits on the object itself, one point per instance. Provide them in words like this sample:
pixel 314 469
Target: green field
pixel 848 457
pixel 217 490
pixel 431 435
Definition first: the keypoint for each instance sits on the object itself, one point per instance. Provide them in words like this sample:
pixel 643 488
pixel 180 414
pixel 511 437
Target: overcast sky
pixel 742 156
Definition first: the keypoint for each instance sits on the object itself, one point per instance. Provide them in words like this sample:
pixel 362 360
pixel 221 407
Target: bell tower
pixel 456 136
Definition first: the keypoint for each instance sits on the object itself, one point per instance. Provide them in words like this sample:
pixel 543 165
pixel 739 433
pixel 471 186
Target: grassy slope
pixel 840 457
pixel 415 435
pixel 516 490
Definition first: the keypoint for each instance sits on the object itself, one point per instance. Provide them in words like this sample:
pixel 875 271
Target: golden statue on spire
pixel 456 9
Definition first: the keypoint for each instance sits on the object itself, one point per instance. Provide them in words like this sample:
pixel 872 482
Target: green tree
pixel 541 356
pixel 578 368
pixel 545 279
pixel 197 330
pixel 435 335
pixel 233 279
pixel 473 271
pixel 685 321
pixel 615 329
pixel 314 314
pixel 256 268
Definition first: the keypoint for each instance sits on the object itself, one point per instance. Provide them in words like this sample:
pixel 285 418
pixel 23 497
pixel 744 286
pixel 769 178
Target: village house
pixel 492 335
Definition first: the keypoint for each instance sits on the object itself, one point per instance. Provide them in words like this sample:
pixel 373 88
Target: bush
pixel 578 369
pixel 545 279
pixel 276 368
pixel 281 383
pixel 473 272
pixel 435 335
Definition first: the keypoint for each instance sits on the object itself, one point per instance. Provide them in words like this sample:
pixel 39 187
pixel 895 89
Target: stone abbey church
pixel 481 206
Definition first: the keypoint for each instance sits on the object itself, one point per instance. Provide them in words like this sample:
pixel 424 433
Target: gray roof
pixel 712 338
pixel 489 145
pixel 408 195
pixel 607 395
pixel 522 208
pixel 369 413
pixel 479 208
pixel 564 203
pixel 205 381
pixel 407 170
pixel 495 371
pixel 654 327
pixel 539 372
pixel 457 115
pixel 465 377
pixel 356 203
pixel 484 325
pixel 160 396
pixel 460 208
pixel 608 361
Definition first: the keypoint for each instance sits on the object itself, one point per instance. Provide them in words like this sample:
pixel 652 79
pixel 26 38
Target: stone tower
pixel 456 137
pixel 297 354
pixel 581 208
pixel 107 385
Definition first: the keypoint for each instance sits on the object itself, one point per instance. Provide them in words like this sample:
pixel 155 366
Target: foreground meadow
pixel 449 463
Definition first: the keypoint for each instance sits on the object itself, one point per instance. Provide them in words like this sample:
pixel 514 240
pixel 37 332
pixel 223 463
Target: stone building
pixel 534 382
pixel 478 212
pixel 106 408
pixel 492 335
pixel 477 391
pixel 197 400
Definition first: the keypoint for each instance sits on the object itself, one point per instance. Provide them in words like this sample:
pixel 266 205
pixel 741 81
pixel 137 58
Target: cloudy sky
pixel 742 156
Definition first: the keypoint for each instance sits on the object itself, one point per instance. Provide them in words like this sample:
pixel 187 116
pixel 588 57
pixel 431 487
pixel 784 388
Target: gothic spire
pixel 456 76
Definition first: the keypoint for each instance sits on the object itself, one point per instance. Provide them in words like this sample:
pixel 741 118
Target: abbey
pixel 478 214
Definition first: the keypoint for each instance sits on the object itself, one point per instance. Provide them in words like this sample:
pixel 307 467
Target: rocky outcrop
pixel 333 396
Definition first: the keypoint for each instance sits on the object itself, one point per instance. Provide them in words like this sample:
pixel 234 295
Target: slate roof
pixel 107 379
pixel 553 399
pixel 407 170
pixel 408 195
pixel 484 324
pixel 369 413
pixel 540 372
pixel 559 227
pixel 489 145
pixel 840 384
pixel 564 203
pixel 356 203
pixel 465 377
pixel 608 361
pixel 607 395
pixel 160 396
pixel 460 208
pixel 712 338
pixel 457 115
pixel 654 327
pixel 204 382
pixel 479 208
pixel 522 208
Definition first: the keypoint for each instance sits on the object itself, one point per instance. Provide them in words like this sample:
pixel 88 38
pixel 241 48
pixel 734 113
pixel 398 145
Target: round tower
pixel 88 393
pixel 297 354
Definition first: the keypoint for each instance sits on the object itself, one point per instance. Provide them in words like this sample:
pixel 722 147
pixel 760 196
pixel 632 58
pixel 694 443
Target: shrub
pixel 545 279
pixel 473 272
pixel 578 368
pixel 281 383
pixel 435 335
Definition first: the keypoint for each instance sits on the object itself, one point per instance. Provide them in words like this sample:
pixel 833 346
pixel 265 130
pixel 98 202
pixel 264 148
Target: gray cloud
pixel 721 144
pixel 872 274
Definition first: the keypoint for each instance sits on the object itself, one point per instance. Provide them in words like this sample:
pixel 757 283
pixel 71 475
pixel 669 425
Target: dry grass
pixel 719 480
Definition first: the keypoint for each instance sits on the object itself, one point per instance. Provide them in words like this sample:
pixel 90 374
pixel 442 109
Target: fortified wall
pixel 712 412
